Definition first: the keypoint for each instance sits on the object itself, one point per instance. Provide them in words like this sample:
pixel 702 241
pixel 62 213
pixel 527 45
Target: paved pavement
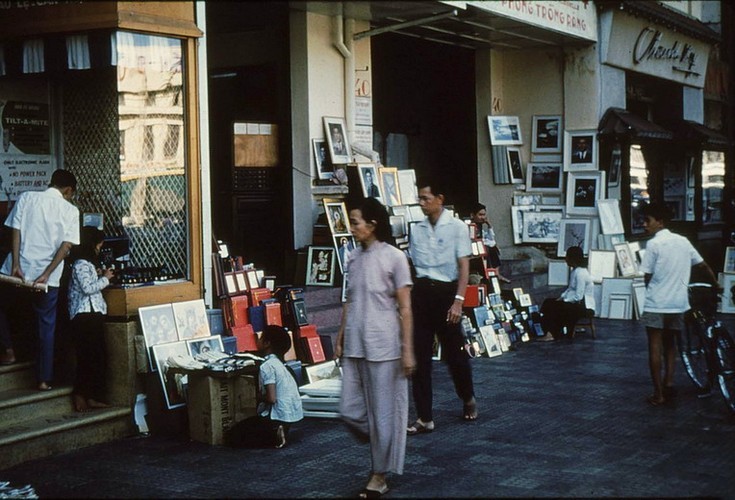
pixel 557 419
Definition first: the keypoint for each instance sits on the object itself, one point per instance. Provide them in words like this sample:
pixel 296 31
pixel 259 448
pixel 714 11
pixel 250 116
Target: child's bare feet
pixel 80 404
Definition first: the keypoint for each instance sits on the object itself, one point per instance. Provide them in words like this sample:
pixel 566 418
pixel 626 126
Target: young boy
pixel 280 402
pixel 667 266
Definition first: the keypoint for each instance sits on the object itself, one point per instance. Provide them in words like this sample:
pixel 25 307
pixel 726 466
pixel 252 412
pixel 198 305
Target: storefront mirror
pixel 713 183
pixel 639 194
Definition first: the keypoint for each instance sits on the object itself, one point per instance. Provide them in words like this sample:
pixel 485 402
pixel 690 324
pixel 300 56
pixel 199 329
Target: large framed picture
pixel 558 274
pixel 339 148
pixel 320 266
pixel 584 190
pixel 573 233
pixel 515 165
pixel 204 345
pixel 580 150
pixel 389 186
pixel 601 264
pixel 627 262
pixel 344 244
pixel 369 181
pixel 611 222
pixel 542 227
pixel 191 319
pixel 544 177
pixel 504 130
pixel 337 217
pixel 546 134
pixel 159 327
pixel 174 384
pixel 407 187
pixel 321 159
pixel 516 217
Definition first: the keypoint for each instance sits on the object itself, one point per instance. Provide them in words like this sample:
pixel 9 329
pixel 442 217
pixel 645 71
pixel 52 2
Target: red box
pixel 313 349
pixel 245 336
pixel 239 307
pixel 475 295
pixel 273 314
pixel 308 331
pixel 259 294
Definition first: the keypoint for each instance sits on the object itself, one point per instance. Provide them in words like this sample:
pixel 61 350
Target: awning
pixel 690 131
pixel 620 122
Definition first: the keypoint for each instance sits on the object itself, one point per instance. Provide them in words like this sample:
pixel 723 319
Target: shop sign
pixel 575 18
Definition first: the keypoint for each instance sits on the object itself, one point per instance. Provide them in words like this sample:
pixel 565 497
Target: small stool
pixel 589 321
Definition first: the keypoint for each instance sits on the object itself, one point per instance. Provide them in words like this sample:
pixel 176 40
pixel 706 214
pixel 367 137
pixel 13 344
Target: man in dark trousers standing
pixel 440 249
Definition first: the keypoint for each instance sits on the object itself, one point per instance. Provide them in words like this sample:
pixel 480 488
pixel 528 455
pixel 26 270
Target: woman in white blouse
pixel 573 304
pixel 87 310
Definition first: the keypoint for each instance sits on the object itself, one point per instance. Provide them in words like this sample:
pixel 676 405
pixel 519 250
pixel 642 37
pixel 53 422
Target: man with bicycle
pixel 667 266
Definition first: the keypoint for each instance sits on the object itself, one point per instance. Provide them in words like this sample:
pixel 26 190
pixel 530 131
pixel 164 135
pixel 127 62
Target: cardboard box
pixel 216 402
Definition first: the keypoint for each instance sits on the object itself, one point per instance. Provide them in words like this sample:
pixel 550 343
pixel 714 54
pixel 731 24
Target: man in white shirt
pixel 667 266
pixel 44 226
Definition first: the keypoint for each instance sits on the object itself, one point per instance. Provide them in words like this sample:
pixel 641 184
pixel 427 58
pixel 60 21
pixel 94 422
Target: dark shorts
pixel 663 321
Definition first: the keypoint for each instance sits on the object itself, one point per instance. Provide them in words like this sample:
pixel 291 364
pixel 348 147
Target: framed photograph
pixel 729 265
pixel 207 344
pixel 191 319
pixel 268 282
pixel 607 241
pixel 344 244
pixel 728 294
pixel 614 288
pixel 174 384
pixel 611 222
pixel 527 198
pixel 252 277
pixel 516 217
pixel 517 292
pixel 580 150
pixel 627 262
pixel 601 264
pixel 490 339
pixel 320 266
pixel 93 219
pixel 616 160
pixel 397 226
pixel 417 215
pixel 407 187
pixel 546 134
pixel 389 186
pixel 544 177
pixel 339 148
pixel 242 280
pixel 620 306
pixel 515 165
pixel 541 227
pixel 337 217
pixel 321 159
pixel 525 300
pixel 584 190
pixel 504 130
pixel 558 273
pixel 159 327
pixel 573 233
pixel 231 284
pixel 369 181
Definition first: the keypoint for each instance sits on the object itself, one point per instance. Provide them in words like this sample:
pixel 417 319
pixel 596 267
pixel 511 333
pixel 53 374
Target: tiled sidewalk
pixel 557 419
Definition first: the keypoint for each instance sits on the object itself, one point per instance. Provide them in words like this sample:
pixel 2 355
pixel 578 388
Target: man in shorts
pixel 667 267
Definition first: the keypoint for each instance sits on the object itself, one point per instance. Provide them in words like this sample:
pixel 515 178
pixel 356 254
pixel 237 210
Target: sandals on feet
pixel 419 427
pixel 367 493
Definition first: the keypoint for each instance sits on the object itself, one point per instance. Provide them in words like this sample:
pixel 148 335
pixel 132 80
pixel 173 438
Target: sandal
pixel 469 411
pixel 368 493
pixel 419 427
pixel 654 401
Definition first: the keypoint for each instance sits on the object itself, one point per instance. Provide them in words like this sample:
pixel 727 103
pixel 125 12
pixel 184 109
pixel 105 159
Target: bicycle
pixel 706 347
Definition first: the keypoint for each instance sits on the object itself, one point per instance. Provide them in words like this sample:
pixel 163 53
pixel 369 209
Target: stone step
pixel 17 404
pixel 17 375
pixel 37 437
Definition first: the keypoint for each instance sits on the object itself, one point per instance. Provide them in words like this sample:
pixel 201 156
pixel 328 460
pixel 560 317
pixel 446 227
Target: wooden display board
pixel 254 144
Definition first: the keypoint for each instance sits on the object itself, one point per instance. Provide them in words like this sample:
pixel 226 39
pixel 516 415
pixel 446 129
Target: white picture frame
pixel 547 134
pixel 320 266
pixel 611 222
pixel 607 241
pixel 542 226
pixel 389 186
pixel 613 286
pixel 504 130
pixel 528 199
pixel 544 177
pixel 490 339
pixel 516 217
pixel 728 294
pixel 407 187
pixel 370 182
pixel 584 190
pixel 619 306
pixel 191 319
pixel 627 262
pixel 602 264
pixel 573 232
pixel 159 327
pixel 344 244
pixel 337 217
pixel 174 385
pixel 580 150
pixel 728 265
pixel 323 168
pixel 558 273
pixel 201 345
pixel 339 146
pixel 515 165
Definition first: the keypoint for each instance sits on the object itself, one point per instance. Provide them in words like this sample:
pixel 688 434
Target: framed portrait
pixel 542 227
pixel 728 293
pixel 339 148
pixel 320 266
pixel 546 134
pixel 252 277
pixel 527 198
pixel 174 384
pixel 389 186
pixel 573 233
pixel 207 344
pixel 231 284
pixel 268 282
pixel 627 262
pixel 242 280
pixel 729 265
pixel 337 217
pixel 544 177
pixel 558 273
pixel 397 226
pixel 344 244
pixel 580 150
pixel 191 319
pixel 321 159
pixel 616 160
pixel 159 327
pixel 490 339
pixel 407 187
pixel 516 217
pixel 369 181
pixel 525 300
pixel 584 190
pixel 417 215
pixel 504 130
pixel 611 222
pixel 601 264
pixel 515 165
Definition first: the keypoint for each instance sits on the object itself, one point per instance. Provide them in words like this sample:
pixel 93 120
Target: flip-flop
pixel 654 401
pixel 419 428
pixel 367 493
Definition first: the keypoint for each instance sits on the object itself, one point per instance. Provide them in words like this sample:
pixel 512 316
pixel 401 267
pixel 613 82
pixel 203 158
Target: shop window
pixel 679 189
pixel 713 184
pixel 639 188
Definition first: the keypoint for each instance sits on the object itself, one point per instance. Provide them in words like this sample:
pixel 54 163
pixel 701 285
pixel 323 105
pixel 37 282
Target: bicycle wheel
pixel 726 361
pixel 693 354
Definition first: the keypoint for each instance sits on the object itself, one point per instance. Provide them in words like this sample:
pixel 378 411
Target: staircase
pixel 40 423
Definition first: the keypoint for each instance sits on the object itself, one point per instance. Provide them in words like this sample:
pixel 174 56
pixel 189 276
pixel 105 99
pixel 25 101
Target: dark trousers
pixel 89 342
pixel 431 300
pixel 44 305
pixel 255 432
pixel 557 314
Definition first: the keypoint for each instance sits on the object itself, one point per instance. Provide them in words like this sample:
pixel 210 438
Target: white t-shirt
pixel 668 259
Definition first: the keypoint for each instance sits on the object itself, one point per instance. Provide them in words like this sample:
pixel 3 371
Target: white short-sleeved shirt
pixel 372 329
pixel 668 259
pixel 45 220
pixel 287 407
pixel 580 287
pixel 435 249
